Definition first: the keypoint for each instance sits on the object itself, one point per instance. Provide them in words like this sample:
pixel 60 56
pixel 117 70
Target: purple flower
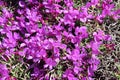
pixel 4 73
pixel 77 69
pixel 95 47
pixel 68 19
pixel 50 63
pixel 116 14
pixel 32 15
pixel 84 15
pixel 62 46
pixel 107 8
pixel 69 3
pixel 7 13
pixel 3 21
pixel 75 55
pixel 42 53
pixel 70 16
pixel 47 44
pixel 82 31
pixel 100 35
pixel 10 40
pixel 94 62
pixel 57 0
pixel 94 2
pixel 69 75
pixel 100 18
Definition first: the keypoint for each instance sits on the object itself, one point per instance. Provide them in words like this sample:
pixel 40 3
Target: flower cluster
pixel 54 37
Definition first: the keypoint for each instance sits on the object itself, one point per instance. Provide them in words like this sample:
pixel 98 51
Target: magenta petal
pixel 21 4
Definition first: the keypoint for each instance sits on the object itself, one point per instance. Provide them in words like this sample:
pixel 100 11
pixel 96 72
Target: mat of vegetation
pixel 59 39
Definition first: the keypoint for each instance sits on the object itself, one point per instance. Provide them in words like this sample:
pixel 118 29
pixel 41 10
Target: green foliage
pixel 17 67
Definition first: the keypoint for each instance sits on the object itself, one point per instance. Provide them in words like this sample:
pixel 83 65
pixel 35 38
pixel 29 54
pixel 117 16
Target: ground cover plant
pixel 59 40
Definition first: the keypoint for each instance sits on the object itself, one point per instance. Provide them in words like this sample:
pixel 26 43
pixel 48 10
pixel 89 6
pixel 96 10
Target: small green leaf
pixel 39 25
